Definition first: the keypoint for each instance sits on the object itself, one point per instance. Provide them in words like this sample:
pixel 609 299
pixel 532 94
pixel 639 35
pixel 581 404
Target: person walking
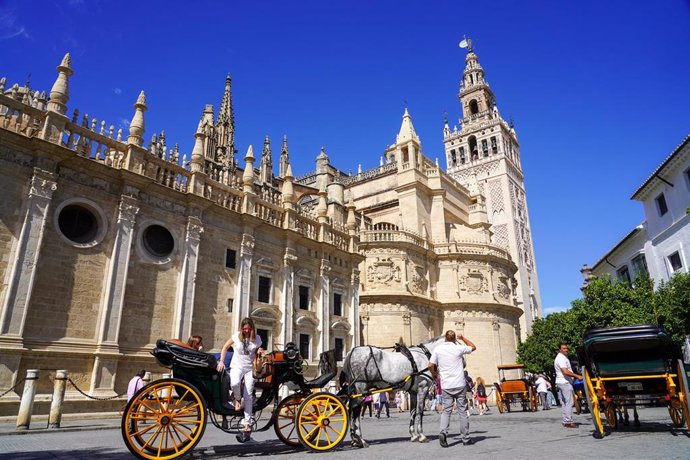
pixel 398 400
pixel 367 404
pixel 564 382
pixel 481 396
pixel 446 360
pixel 135 384
pixel 543 387
pixel 383 401
pixel 247 346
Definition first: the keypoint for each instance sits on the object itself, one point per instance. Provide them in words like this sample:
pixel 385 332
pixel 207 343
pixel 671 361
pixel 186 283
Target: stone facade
pixel 108 245
pixel 483 154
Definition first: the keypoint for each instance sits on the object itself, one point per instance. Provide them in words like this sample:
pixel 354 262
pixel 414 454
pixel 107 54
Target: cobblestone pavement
pixel 516 435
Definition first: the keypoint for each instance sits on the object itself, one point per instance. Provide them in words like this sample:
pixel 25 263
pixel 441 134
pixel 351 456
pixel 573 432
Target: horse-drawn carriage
pixel 629 367
pixel 167 417
pixel 515 391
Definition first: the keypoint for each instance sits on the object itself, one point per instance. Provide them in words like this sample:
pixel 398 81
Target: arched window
pixel 474 152
pixel 474 107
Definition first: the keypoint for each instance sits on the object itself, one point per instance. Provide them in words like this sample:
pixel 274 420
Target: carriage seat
pixel 513 386
pixel 320 381
pixel 173 351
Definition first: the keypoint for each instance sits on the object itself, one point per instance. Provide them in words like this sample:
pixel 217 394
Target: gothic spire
pixel 407 132
pixel 284 158
pixel 59 94
pixel 266 168
pixel 225 124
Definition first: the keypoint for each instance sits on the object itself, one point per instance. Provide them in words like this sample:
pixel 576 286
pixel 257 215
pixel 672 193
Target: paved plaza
pixel 507 436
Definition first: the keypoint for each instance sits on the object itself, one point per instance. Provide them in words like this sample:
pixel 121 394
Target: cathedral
pixel 110 242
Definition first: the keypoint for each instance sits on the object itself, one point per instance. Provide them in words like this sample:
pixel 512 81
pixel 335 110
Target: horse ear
pixel 401 340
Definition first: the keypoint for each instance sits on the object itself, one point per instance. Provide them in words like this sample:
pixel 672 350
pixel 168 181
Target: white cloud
pixel 117 91
pixel 556 309
pixel 9 27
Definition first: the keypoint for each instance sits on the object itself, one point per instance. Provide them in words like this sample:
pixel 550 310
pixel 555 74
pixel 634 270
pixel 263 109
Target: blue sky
pixel 599 91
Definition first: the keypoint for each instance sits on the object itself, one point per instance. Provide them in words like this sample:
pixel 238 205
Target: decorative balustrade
pixel 307 227
pixel 19 117
pixel 85 141
pixel 397 236
pixel 369 173
pixel 269 213
pixel 336 238
pixel 471 248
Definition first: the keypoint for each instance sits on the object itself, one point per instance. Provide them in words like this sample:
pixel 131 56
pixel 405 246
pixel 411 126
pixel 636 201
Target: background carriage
pixel 631 367
pixel 515 391
pixel 167 418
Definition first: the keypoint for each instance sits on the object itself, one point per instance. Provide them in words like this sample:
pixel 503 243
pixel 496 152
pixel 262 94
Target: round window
pixel 78 224
pixel 158 241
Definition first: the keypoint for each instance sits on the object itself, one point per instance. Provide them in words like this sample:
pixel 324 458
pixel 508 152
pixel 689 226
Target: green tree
pixel 673 306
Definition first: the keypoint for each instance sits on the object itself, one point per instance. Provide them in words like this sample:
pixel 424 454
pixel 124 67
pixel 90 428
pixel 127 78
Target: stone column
pixel 243 287
pixel 58 397
pixel 287 302
pixel 184 302
pixel 496 326
pixel 105 364
pixel 26 407
pixel 24 258
pixel 324 301
pixel 354 308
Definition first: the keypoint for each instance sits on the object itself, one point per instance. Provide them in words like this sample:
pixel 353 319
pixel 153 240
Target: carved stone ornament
pixel 247 245
pixel 473 281
pixel 128 210
pixel 194 229
pixel 502 288
pixel 418 282
pixel 383 271
pixel 355 277
pixel 325 267
pixel 290 257
pixel 42 187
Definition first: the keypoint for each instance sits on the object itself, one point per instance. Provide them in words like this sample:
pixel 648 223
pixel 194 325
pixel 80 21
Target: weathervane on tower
pixel 466 43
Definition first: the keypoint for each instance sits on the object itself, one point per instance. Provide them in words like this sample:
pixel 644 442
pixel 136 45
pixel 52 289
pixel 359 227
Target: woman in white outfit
pixel 246 344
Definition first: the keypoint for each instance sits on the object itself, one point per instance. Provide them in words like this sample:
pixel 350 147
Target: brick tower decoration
pixel 483 151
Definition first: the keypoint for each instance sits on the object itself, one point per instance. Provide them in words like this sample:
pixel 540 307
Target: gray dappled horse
pixel 367 367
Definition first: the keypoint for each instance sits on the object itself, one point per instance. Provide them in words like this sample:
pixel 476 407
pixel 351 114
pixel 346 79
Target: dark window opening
pixel 304 298
pixel 264 289
pixel 494 145
pixel 639 264
pixel 78 224
pixel 453 158
pixel 462 155
pixel 230 258
pixel 263 333
pixel 661 204
pixel 485 148
pixel 339 347
pixel 158 241
pixel 474 107
pixel 675 261
pixel 337 304
pixel 473 148
pixel 624 274
pixel 230 301
pixel 304 345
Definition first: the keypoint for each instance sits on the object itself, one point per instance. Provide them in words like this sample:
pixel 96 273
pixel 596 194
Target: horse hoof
pixel 356 445
pixel 423 438
pixel 414 438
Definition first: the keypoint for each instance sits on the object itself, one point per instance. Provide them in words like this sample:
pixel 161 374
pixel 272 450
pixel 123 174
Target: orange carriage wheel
pixel 284 424
pixel 164 420
pixel 683 411
pixel 321 421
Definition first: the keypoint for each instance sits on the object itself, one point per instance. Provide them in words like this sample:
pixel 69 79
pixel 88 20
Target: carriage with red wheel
pixel 167 418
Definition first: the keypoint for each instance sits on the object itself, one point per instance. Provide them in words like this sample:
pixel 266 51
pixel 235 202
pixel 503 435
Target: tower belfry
pixel 483 150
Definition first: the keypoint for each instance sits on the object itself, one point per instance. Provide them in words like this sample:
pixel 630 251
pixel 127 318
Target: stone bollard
pixel 58 398
pixel 26 406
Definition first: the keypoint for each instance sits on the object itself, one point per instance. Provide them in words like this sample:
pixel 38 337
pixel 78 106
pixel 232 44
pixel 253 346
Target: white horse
pixel 366 368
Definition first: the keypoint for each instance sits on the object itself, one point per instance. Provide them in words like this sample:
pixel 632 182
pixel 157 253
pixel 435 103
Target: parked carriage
pixel 516 391
pixel 167 418
pixel 629 367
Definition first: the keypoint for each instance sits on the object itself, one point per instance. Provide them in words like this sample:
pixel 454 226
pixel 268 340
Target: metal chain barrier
pixel 13 388
pixel 107 398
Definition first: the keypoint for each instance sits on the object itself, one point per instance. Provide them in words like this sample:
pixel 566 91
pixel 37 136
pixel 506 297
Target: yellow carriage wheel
pixel 594 406
pixel 610 413
pixel 164 420
pixel 321 421
pixel 682 390
pixel 675 409
pixel 284 424
pixel 499 401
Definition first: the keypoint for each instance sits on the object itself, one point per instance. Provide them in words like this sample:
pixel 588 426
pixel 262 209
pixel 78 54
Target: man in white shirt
pixel 564 381
pixel 447 360
pixel 543 386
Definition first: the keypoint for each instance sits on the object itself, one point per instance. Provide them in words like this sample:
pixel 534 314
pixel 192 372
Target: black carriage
pixel 632 366
pixel 167 418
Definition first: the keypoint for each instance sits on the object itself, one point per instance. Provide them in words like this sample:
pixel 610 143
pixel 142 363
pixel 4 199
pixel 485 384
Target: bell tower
pixel 483 149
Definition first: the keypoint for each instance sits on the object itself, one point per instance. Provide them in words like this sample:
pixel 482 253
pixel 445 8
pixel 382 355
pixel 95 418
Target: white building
pixel 661 244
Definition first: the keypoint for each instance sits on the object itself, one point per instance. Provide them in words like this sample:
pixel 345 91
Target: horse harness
pixel 401 348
